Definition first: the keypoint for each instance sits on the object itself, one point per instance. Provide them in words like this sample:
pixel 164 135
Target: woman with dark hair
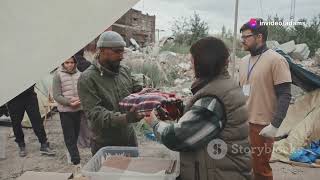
pixel 65 93
pixel 212 135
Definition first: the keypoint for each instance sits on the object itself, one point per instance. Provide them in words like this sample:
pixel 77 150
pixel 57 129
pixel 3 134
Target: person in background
pixel 65 93
pixel 27 101
pixel 266 81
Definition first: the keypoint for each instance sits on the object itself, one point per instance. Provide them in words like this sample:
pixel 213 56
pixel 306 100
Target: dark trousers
pixel 85 133
pixel 70 122
pixel 17 107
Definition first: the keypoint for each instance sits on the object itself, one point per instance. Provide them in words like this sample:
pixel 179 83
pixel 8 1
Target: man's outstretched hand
pixel 133 116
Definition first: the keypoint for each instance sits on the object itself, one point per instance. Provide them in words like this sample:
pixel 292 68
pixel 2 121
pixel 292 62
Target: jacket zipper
pixel 117 88
pixel 73 84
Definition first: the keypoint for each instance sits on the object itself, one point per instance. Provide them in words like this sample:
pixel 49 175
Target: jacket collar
pixel 201 83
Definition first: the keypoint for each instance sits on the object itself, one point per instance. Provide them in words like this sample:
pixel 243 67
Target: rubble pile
pixel 173 70
pixel 310 65
pixel 317 57
pixel 301 52
pixel 296 51
pixel 288 47
pixel 300 55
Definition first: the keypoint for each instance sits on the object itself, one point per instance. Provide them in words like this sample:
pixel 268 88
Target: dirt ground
pixel 14 166
pixel 283 171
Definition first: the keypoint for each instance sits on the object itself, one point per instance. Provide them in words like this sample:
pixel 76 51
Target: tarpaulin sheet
pixel 303 122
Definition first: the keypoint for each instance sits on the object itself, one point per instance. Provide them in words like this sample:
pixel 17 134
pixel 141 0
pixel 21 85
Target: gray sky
pixel 221 12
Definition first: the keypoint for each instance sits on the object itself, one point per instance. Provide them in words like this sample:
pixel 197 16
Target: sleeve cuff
pixel 276 123
pixel 118 119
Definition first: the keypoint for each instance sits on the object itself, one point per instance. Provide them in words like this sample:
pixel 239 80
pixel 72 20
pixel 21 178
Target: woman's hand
pixel 74 99
pixel 152 117
pixel 75 104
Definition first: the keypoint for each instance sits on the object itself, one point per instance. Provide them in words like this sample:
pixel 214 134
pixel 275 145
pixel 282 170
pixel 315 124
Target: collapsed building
pixel 136 25
pixel 132 25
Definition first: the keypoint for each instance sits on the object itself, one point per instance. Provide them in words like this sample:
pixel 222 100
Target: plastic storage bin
pixel 91 169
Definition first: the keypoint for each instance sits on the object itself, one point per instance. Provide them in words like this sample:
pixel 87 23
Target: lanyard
pixel 250 69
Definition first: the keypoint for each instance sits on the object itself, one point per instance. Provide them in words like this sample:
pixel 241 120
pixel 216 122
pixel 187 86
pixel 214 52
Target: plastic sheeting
pixel 303 122
pixel 301 77
pixel 42 88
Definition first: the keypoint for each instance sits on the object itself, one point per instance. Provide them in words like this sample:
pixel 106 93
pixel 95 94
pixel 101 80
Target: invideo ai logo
pixel 253 23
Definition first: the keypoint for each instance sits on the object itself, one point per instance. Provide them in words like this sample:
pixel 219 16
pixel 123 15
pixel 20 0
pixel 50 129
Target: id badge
pixel 246 89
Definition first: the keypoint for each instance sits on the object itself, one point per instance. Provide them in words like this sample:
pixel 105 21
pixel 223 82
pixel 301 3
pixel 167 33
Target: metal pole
pixel 234 46
pixel 157 30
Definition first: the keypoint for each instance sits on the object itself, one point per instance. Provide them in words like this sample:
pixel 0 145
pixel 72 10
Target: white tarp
pixel 37 35
pixel 43 89
pixel 303 123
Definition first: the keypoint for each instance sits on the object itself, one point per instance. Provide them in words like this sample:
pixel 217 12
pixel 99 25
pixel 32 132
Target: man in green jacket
pixel 101 87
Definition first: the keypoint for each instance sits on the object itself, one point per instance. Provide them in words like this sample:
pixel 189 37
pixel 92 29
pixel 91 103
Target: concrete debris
pixel 317 57
pixel 296 51
pixel 143 79
pixel 166 56
pixel 175 70
pixel 128 50
pixel 182 90
pixel 186 91
pixel 184 66
pixel 179 81
pixel 309 65
pixel 288 47
pixel 272 44
pixel 134 43
pixel 166 40
pixel 301 52
pixel 300 55
pixel 149 49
